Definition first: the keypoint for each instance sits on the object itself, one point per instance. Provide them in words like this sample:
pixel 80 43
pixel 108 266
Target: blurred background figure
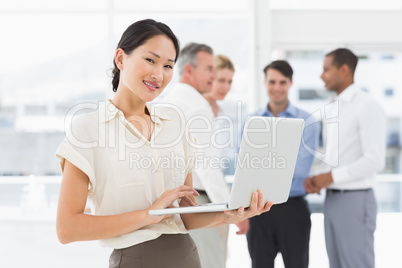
pixel 353 155
pixel 222 83
pixel 287 227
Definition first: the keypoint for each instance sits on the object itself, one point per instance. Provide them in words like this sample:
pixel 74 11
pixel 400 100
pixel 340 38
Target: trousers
pixel 285 229
pixel 168 250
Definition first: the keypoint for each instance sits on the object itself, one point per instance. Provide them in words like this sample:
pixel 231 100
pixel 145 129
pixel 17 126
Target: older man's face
pixel 204 73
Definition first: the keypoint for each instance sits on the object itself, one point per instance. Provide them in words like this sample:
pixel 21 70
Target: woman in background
pixel 100 162
pixel 222 83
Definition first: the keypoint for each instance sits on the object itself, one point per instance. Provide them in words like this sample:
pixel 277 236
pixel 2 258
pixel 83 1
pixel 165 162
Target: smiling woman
pixel 121 194
pixel 155 57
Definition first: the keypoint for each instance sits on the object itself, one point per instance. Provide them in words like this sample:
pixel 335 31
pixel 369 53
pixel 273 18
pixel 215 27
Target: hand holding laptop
pixel 257 207
pixel 206 220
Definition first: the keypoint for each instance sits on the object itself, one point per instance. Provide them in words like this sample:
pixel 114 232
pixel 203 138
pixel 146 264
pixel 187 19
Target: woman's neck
pixel 135 112
pixel 129 105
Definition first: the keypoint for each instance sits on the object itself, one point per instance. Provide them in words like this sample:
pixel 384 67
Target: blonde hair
pixel 223 62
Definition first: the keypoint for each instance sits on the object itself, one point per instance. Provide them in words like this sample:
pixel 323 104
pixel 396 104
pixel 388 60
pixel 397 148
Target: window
pixel 389 92
pixel 60 54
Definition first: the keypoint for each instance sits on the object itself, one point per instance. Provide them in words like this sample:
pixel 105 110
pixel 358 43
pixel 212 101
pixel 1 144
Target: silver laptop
pixel 266 161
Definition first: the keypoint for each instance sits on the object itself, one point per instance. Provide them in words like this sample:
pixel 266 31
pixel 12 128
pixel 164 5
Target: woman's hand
pixel 169 196
pixel 257 207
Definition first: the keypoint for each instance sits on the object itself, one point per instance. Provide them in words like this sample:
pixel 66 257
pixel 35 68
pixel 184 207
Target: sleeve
pixel 307 150
pixel 372 124
pixel 76 149
pixel 309 144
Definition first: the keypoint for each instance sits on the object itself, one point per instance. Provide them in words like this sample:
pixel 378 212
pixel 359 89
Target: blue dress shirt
pixel 305 159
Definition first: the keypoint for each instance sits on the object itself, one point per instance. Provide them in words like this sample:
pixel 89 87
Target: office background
pixel 56 54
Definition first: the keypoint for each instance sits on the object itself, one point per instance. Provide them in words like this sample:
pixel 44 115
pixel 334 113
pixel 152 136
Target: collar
pixel 348 94
pixel 289 111
pixel 107 112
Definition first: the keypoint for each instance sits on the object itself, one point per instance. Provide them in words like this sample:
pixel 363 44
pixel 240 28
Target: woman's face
pixel 148 69
pixel 222 84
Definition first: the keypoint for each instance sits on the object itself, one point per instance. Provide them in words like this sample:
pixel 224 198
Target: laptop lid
pixel 266 160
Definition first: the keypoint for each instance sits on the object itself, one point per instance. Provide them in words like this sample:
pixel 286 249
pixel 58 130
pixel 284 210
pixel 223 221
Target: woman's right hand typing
pixel 169 196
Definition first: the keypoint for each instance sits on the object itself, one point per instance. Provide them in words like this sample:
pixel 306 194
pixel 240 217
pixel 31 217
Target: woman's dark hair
pixel 136 35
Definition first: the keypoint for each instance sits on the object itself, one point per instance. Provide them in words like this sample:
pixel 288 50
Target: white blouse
pixel 126 171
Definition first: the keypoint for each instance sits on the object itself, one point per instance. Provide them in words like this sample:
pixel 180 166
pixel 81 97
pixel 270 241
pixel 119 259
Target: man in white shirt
pixel 197 72
pixel 354 154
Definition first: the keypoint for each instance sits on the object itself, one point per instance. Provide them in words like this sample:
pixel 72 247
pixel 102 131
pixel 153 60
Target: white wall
pixel 371 29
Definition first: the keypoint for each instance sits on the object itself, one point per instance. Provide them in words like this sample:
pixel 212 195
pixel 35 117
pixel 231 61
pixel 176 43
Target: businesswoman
pixel 103 160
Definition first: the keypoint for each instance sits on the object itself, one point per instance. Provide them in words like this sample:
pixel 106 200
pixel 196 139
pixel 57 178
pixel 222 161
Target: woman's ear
pixel 118 58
